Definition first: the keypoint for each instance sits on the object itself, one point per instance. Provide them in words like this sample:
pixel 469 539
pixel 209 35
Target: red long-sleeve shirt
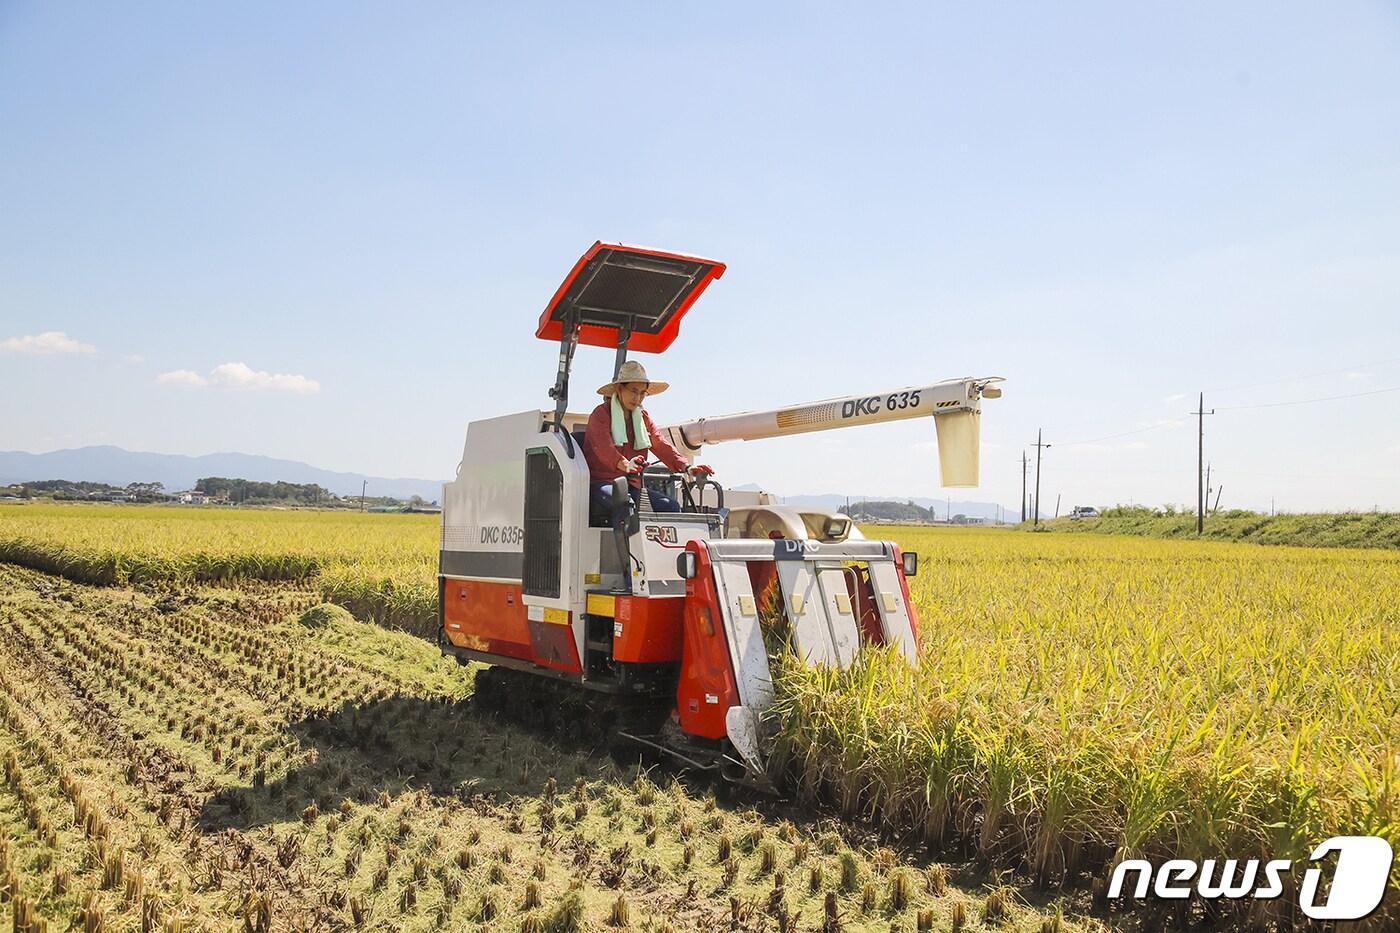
pixel 605 458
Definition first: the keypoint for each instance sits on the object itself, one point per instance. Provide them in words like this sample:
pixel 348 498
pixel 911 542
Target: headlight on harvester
pixel 685 565
pixel 910 562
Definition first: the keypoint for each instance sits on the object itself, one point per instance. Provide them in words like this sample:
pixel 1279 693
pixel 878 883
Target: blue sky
pixel 1112 205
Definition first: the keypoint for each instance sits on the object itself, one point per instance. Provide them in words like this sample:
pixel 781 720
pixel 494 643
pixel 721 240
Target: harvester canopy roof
pixel 615 288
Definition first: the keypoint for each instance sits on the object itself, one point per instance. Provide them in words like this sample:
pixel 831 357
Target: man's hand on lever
pixel 636 465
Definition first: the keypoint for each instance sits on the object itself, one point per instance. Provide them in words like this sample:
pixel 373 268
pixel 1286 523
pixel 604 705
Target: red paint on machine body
pixel 648 631
pixel 490 617
pixel 707 689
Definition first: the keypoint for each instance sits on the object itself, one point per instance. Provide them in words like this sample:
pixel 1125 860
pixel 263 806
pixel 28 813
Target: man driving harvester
pixel 620 436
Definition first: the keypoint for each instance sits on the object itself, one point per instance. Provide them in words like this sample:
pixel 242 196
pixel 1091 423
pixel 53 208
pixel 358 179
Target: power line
pixel 1332 372
pixel 1172 423
pixel 1108 437
pixel 1309 401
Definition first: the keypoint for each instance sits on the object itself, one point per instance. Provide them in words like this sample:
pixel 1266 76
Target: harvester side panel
pixel 660 537
pixel 747 650
pixel 706 690
pixel 749 655
pixel 483 508
pixel 488 616
pixel 553 644
pixel 647 630
pixel 812 633
pixel 824 599
pixel 890 600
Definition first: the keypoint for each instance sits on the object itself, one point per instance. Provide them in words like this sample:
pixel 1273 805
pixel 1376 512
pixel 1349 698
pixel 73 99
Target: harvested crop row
pixel 195 728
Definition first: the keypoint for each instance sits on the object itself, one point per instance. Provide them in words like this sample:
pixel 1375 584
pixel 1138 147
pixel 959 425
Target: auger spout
pixel 955 404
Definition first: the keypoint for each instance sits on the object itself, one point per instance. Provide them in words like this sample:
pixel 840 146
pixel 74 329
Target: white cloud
pixel 181 377
pixel 1357 377
pixel 133 358
pixel 1176 397
pixel 242 377
pixel 50 341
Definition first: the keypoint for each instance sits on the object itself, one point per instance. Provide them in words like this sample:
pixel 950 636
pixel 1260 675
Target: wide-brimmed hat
pixel 632 371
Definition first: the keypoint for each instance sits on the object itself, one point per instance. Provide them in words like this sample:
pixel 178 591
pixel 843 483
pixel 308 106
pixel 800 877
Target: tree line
pixel 246 490
pixel 219 489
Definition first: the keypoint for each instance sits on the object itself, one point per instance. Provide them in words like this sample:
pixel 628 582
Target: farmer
pixel 621 434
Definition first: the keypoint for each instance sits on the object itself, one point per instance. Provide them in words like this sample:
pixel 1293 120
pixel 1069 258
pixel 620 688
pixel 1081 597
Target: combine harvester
pixel 662 615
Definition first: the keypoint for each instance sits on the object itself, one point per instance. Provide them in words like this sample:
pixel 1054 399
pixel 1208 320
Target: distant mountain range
pixel 119 467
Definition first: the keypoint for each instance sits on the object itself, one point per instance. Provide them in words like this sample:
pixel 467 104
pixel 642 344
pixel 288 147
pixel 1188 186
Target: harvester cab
pixel 672 615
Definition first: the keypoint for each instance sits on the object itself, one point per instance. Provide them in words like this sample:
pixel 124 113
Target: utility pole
pixel 1209 489
pixel 1023 485
pixel 1038 446
pixel 1216 508
pixel 363 484
pixel 1057 505
pixel 1200 414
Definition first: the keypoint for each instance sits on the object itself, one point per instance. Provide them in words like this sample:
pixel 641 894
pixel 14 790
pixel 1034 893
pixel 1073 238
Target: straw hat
pixel 632 371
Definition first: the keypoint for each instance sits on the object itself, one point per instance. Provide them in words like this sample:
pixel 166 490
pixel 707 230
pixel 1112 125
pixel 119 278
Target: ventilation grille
pixel 544 494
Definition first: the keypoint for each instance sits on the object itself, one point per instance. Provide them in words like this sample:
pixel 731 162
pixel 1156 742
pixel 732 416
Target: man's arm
pixel 662 447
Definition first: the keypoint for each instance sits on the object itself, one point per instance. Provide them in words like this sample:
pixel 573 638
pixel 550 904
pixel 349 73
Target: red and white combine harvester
pixel 661 610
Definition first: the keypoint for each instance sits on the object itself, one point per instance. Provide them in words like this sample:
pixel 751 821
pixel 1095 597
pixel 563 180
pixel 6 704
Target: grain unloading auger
pixel 666 615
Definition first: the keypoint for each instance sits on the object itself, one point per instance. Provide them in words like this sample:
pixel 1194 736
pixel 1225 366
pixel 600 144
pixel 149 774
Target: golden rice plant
pixel 1130 697
pixel 381 567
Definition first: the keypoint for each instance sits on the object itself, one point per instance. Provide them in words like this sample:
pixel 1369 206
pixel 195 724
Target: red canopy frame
pixel 616 289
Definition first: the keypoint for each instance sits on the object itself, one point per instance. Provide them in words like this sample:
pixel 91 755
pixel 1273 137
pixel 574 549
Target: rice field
pixel 1080 699
pixel 380 566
